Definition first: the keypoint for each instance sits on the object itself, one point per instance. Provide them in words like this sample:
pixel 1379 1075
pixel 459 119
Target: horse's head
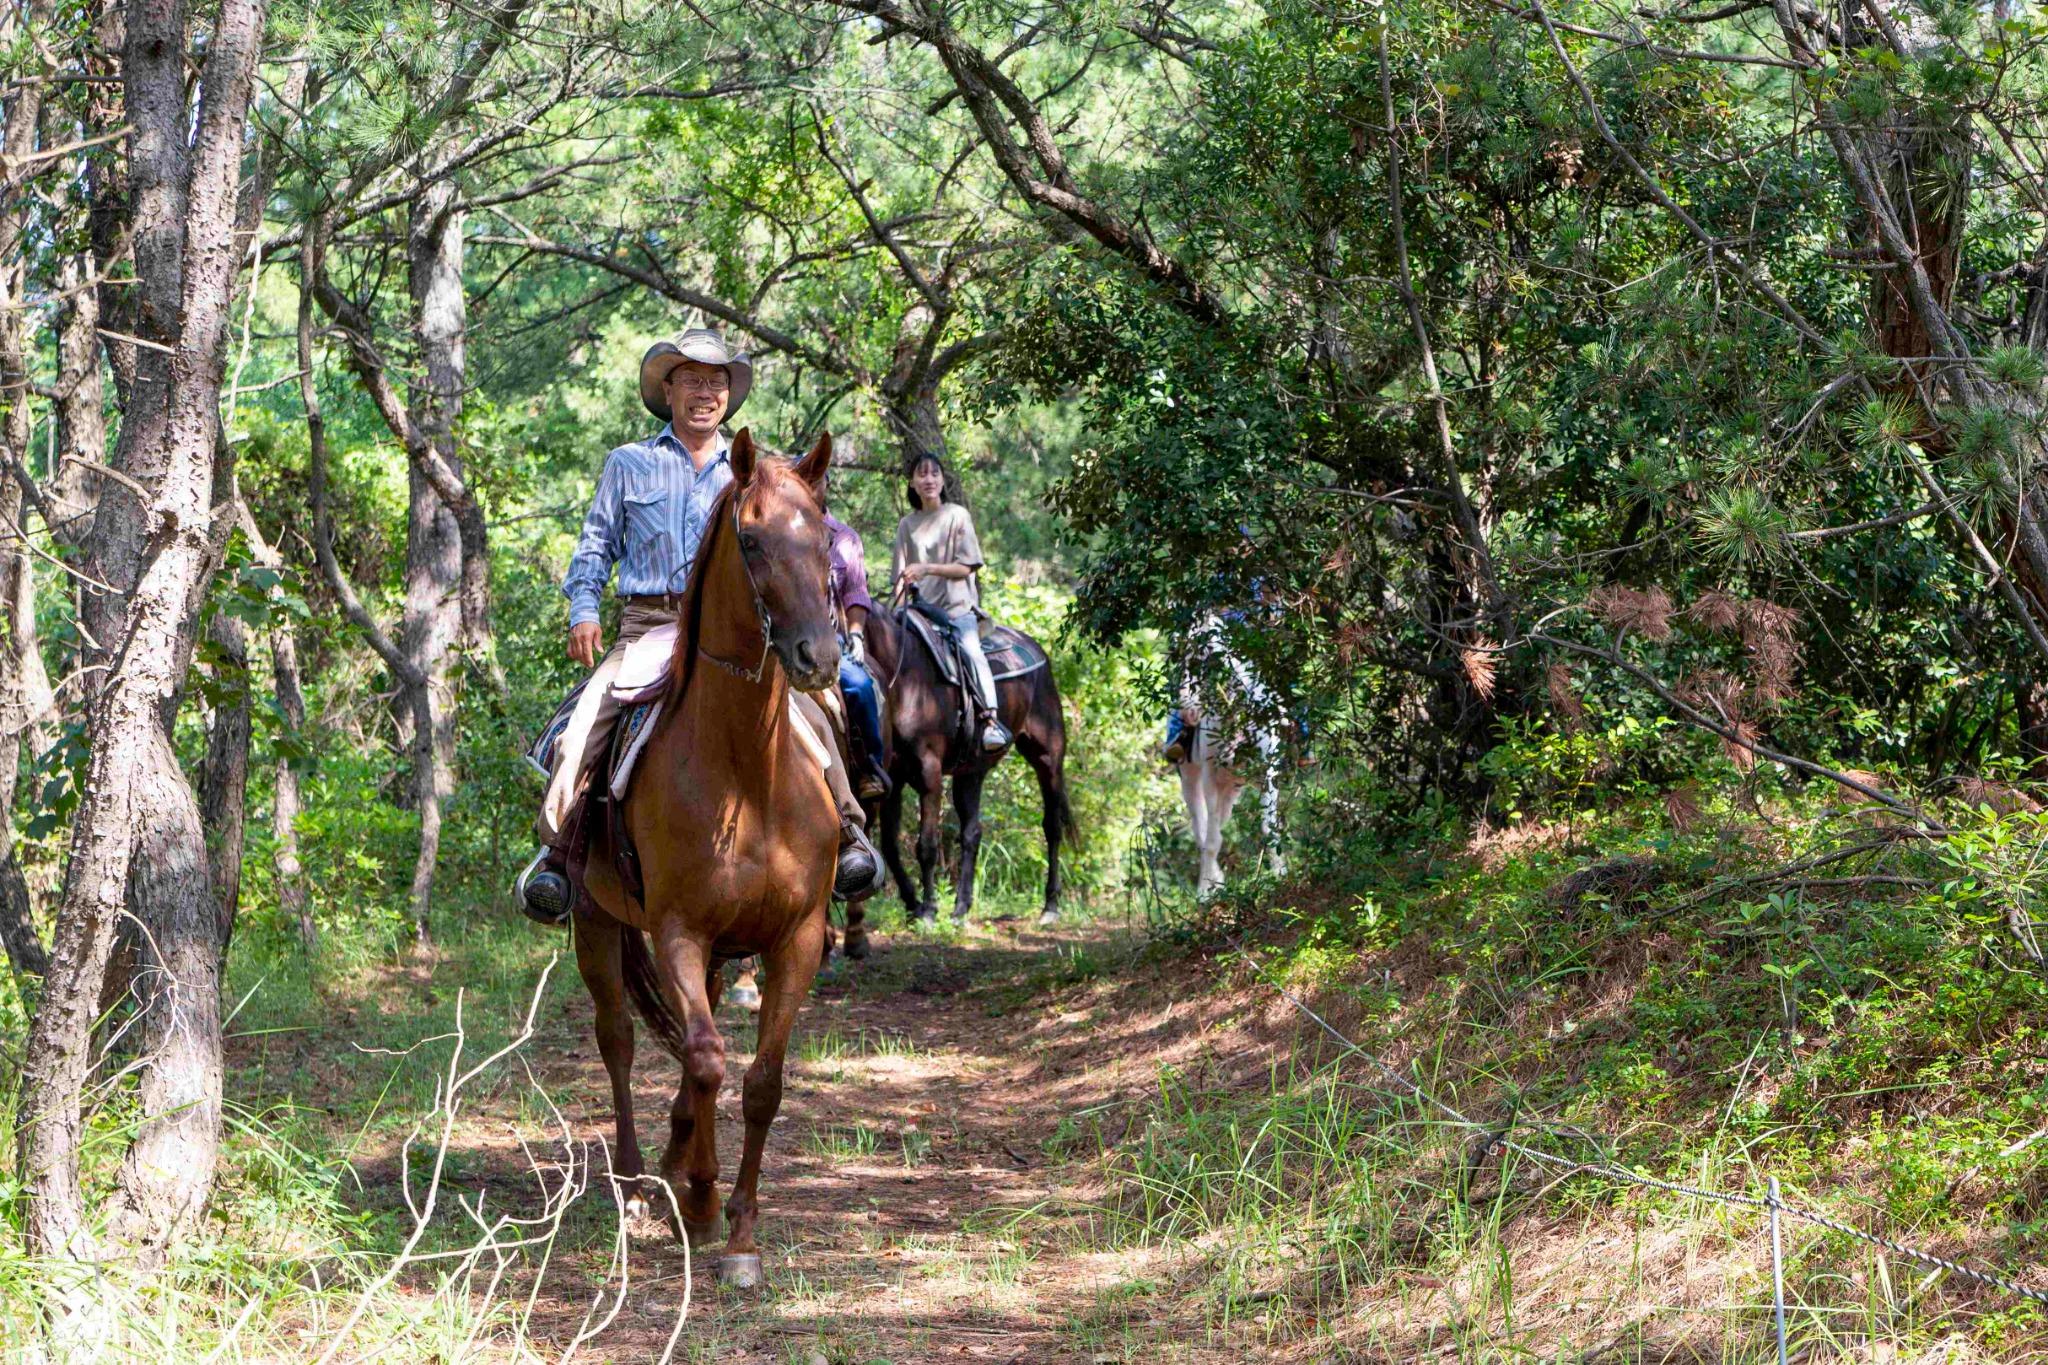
pixel 780 512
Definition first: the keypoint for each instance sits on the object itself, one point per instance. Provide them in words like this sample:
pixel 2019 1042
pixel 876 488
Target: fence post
pixel 1777 1271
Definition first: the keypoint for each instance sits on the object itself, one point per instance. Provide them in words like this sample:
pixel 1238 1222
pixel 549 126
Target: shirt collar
pixel 719 451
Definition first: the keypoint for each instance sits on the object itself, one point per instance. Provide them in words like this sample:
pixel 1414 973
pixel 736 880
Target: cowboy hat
pixel 704 346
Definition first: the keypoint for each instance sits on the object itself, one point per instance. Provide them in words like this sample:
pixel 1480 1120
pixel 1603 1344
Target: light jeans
pixel 969 627
pixel 583 742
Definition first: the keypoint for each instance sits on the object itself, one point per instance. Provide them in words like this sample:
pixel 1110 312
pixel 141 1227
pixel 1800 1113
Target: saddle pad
pixel 939 642
pixel 643 672
pixel 1011 653
pixel 635 726
pixel 541 753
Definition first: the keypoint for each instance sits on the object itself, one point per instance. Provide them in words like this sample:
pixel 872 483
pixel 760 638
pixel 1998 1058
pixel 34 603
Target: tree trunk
pixel 25 712
pixel 18 125
pixel 284 811
pixel 168 1171
pixel 70 488
pixel 224 780
pixel 460 539
pixel 136 837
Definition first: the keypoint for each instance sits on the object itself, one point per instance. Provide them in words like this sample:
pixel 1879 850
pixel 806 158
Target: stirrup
pixel 994 737
pixel 858 873
pixel 543 891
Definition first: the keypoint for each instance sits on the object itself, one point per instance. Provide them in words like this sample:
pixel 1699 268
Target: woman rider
pixel 936 556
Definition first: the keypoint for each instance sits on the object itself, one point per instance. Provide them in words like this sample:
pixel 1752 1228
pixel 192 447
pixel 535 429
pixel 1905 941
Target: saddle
pixel 1010 653
pixel 641 689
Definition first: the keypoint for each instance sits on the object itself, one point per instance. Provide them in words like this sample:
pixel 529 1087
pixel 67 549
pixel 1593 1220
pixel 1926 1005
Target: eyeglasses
pixel 700 383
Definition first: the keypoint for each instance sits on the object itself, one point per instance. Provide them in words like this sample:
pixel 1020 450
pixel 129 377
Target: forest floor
pixel 1088 1145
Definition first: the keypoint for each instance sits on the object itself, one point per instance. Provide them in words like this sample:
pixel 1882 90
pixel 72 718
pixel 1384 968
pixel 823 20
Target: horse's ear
pixel 813 467
pixel 742 457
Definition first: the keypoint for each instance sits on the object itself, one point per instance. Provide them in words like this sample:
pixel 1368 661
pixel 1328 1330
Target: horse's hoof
pixel 925 915
pixel 701 1234
pixel 857 947
pixel 741 1271
pixel 637 1207
pixel 1048 919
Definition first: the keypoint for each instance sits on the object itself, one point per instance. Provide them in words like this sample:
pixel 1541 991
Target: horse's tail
pixel 643 983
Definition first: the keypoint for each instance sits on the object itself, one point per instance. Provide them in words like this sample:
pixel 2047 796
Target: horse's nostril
pixel 805 655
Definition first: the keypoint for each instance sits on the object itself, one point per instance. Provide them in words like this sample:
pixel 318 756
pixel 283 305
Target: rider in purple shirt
pixel 850 591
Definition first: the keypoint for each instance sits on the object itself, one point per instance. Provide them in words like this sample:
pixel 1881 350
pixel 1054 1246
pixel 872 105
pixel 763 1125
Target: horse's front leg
pixel 1194 794
pixel 599 957
pixel 691 1163
pixel 967 809
pixel 856 930
pixel 928 839
pixel 791 969
pixel 1269 801
pixel 892 844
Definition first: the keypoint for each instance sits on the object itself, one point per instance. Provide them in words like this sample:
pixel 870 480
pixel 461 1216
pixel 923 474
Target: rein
pixel 760 668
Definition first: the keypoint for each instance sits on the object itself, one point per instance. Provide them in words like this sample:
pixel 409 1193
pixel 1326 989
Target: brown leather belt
pixel 660 601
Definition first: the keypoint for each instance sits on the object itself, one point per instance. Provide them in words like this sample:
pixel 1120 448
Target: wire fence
pixel 1500 1138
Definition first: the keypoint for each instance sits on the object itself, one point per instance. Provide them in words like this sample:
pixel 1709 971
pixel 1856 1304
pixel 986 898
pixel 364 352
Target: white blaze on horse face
pixel 796 521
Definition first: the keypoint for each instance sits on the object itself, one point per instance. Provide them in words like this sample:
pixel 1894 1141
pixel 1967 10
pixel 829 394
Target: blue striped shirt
pixel 647 518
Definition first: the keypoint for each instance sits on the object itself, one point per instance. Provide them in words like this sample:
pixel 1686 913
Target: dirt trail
pixel 924 1087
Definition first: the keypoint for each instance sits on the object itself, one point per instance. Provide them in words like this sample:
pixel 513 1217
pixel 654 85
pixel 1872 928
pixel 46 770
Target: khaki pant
pixel 586 739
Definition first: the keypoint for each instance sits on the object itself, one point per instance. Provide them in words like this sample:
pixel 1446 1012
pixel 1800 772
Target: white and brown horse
pixel 1226 753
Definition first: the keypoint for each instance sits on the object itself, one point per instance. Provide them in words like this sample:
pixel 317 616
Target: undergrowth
pixel 1617 987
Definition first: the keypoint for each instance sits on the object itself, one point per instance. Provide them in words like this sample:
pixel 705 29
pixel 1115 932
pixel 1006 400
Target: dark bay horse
pixel 737 838
pixel 925 750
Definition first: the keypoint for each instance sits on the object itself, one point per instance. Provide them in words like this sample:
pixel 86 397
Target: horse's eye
pixel 750 544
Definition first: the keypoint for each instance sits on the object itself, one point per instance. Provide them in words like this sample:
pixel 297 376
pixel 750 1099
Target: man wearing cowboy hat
pixel 653 501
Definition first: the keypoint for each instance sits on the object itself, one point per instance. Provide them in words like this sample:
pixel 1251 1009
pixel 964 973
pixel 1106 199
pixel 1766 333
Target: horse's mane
pixel 690 617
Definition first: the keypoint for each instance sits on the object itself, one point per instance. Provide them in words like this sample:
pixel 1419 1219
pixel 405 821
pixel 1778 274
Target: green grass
pixel 1874 1053
pixel 834 1044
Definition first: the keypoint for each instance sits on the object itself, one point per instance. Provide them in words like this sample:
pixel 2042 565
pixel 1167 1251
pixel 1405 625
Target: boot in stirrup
pixel 543 890
pixel 860 868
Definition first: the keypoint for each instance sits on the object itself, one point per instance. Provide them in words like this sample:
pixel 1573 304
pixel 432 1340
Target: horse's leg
pixel 791 969
pixel 856 929
pixel 1199 793
pixel 1269 800
pixel 1269 823
pixel 1049 765
pixel 1225 790
pixel 892 846
pixel 598 959
pixel 967 809
pixel 928 798
pixel 691 1163
pixel 1194 794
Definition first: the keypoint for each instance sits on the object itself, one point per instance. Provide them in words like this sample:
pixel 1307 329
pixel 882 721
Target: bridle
pixel 760 609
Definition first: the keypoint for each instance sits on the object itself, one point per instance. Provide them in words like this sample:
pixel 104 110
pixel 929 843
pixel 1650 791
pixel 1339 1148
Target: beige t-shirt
pixel 940 535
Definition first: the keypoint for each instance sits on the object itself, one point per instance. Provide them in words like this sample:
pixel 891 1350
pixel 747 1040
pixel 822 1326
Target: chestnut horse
pixel 925 750
pixel 737 838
